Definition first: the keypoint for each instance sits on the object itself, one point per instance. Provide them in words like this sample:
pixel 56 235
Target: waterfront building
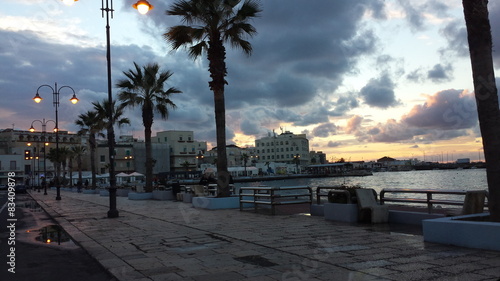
pixel 284 148
pixel 184 152
pixel 130 156
pixel 25 153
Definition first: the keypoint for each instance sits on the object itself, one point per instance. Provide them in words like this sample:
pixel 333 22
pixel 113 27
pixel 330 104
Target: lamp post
pixel 296 159
pixel 55 101
pixel 45 144
pixel 143 7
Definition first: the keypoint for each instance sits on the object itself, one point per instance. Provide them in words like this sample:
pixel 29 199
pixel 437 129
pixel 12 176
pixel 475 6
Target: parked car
pixel 21 188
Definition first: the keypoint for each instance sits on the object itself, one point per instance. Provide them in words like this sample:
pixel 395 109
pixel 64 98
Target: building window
pixel 165 139
pixel 103 158
pixel 12 165
pixel 127 152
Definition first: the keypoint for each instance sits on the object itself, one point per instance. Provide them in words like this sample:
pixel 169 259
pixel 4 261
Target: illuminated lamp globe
pixel 143 6
pixel 74 99
pixel 37 98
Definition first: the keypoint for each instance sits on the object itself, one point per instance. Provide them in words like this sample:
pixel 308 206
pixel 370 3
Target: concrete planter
pixel 463 231
pixel 140 195
pixel 317 210
pixel 187 197
pixel 163 195
pixel 341 212
pixel 122 192
pixel 213 203
pixel 103 192
pixel 414 218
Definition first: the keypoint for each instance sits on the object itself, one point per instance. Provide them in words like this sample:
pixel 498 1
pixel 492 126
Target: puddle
pixel 52 234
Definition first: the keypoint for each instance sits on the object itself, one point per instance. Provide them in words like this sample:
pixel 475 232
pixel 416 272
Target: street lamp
pixel 44 126
pixel 55 101
pixel 143 7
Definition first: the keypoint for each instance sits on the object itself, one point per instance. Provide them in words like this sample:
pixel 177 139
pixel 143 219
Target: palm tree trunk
pixel 217 68
pixel 480 48
pixel 147 119
pixel 92 140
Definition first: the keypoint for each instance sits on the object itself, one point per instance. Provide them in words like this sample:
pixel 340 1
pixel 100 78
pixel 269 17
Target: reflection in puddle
pixel 52 234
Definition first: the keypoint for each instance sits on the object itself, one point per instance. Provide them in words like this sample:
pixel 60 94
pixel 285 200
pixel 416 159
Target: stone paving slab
pixel 166 240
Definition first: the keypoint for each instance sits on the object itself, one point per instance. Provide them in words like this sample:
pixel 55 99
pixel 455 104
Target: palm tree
pixel 245 157
pixel 90 124
pixel 480 48
pixel 102 109
pixel 210 24
pixel 78 152
pixel 144 87
pixel 59 158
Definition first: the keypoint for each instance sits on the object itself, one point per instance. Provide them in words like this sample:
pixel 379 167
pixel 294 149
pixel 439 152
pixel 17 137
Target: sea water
pixel 463 179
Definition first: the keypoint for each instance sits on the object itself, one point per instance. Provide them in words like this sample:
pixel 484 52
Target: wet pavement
pixel 165 240
pixel 43 250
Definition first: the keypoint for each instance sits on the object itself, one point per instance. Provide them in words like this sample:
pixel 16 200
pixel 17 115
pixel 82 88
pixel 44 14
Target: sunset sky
pixel 362 78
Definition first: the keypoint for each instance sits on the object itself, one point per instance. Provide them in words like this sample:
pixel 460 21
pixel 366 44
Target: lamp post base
pixel 58 196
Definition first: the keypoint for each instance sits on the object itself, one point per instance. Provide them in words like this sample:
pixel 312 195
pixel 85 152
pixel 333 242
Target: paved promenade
pixel 165 240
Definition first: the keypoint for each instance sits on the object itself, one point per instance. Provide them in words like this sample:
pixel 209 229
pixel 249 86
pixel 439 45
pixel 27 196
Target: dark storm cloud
pixel 379 92
pixel 324 130
pixel 294 60
pixel 456 34
pixel 440 73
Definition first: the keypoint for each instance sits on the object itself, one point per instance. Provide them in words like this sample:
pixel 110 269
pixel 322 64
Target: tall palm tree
pixel 102 109
pixel 480 48
pixel 78 152
pixel 210 24
pixel 144 87
pixel 91 124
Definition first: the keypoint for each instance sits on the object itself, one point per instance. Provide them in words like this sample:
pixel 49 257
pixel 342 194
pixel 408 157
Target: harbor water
pixel 456 179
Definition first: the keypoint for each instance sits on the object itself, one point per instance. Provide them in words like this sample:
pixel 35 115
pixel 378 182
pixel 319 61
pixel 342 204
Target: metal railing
pixel 429 200
pixel 273 196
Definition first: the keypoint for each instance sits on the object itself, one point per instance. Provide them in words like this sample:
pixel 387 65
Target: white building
pixel 185 152
pixel 285 148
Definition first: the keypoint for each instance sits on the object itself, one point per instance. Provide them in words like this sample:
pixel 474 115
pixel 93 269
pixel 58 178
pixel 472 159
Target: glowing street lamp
pixel 55 96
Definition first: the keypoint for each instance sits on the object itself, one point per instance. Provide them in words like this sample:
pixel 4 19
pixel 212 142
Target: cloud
pixel 439 73
pixel 334 144
pixel 353 124
pixel 445 110
pixel 443 116
pixel 379 92
pixel 324 130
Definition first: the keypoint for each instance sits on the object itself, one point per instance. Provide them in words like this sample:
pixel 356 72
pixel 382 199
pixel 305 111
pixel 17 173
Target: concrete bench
pixel 367 204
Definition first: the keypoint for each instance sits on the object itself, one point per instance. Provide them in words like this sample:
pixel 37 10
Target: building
pixel 285 148
pixel 185 152
pixel 25 153
pixel 318 157
pixel 130 156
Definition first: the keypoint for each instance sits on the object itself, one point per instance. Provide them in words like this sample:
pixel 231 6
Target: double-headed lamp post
pixel 55 95
pixel 45 144
pixel 143 7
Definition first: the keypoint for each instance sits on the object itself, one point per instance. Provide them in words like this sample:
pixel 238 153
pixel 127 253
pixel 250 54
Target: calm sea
pixel 468 179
